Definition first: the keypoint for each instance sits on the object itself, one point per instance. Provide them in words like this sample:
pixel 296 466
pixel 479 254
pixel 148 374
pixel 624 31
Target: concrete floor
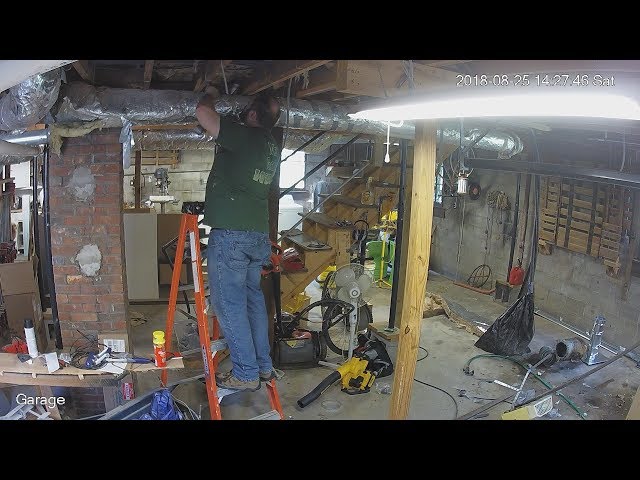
pixel 607 394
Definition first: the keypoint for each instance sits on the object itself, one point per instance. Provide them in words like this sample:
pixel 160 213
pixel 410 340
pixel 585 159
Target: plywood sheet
pixel 9 363
pixel 140 230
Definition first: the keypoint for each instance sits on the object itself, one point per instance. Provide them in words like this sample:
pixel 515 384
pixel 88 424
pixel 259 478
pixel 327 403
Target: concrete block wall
pixel 486 232
pixel 188 179
pixel 569 285
pixel 87 239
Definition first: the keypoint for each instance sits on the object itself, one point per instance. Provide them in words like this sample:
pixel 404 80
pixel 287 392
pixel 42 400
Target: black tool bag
pixel 375 351
pixel 291 353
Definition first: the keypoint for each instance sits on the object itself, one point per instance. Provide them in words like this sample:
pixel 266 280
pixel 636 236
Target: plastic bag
pixel 162 408
pixel 512 331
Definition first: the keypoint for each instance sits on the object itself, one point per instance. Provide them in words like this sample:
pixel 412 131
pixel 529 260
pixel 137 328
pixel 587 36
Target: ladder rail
pixel 173 294
pixel 189 228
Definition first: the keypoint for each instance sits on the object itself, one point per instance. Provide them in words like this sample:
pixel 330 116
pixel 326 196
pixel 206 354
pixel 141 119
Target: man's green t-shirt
pixel 240 179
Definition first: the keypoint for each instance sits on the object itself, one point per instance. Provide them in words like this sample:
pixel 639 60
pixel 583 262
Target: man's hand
pixel 207 116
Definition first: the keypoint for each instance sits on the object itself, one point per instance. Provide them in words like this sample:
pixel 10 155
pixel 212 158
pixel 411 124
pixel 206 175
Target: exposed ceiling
pixel 353 82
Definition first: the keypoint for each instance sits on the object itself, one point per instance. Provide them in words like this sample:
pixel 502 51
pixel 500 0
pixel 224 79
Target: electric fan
pixel 350 283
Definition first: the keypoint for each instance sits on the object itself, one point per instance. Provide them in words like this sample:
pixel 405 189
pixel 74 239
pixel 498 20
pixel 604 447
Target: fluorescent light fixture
pixel 552 104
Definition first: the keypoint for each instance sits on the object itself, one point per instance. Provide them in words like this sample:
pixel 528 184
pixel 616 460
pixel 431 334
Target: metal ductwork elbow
pixel 29 101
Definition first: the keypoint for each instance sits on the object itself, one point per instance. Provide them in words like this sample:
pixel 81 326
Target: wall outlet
pixel 116 341
pixel 116 345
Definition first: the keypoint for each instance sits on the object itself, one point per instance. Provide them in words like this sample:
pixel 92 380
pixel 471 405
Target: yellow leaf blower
pixel 357 374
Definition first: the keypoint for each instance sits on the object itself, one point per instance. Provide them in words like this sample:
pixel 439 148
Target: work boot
pixel 267 376
pixel 227 380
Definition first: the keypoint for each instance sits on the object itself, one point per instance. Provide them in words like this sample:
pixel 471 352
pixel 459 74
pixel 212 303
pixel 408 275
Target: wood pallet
pixel 584 217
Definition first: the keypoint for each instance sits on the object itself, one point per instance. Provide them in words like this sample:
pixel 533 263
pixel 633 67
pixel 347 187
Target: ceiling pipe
pixel 29 101
pixel 83 102
pixel 14 149
pixel 30 137
pixel 198 139
pixel 13 72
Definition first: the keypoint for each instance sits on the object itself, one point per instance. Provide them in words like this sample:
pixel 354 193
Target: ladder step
pixel 272 415
pixel 327 221
pixel 304 240
pixel 352 179
pixel 218 345
pixel 352 202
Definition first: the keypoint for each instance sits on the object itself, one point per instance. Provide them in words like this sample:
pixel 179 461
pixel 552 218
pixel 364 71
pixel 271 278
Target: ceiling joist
pixel 382 78
pixel 280 72
pixel 320 81
pixel 84 70
pixel 148 72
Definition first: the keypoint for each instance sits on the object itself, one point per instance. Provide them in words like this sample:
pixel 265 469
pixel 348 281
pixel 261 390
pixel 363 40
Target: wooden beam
pixel 83 69
pixel 148 72
pixel 320 81
pixel 380 78
pixel 442 152
pixel 321 88
pixel 210 73
pixel 417 265
pixel 137 177
pixel 280 72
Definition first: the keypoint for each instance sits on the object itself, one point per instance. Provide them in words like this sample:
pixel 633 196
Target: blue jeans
pixel 234 260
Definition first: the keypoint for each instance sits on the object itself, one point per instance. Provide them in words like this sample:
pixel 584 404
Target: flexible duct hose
pixel 316 392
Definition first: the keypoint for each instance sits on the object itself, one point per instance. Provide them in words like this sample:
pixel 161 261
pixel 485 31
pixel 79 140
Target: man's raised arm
pixel 207 116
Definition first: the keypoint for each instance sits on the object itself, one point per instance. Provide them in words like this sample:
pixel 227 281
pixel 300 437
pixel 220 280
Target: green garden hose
pixel 467 366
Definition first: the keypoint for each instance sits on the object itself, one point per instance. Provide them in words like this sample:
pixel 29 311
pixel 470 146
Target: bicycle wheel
pixel 336 326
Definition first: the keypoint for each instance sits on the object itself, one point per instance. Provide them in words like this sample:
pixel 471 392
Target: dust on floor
pixel 607 394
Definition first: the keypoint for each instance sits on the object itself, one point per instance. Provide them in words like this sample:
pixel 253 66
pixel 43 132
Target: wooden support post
pixel 137 177
pixel 418 241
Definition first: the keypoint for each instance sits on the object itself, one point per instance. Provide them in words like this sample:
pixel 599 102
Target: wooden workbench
pixel 12 371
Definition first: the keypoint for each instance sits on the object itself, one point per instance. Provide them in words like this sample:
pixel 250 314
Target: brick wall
pixel 86 218
pixel 86 402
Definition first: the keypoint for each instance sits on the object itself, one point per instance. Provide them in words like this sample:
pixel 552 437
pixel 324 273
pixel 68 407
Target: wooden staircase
pixel 326 237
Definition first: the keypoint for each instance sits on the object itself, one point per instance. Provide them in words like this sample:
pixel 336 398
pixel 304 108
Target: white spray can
pixel 30 337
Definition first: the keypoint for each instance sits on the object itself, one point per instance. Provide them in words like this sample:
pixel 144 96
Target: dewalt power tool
pixel 370 360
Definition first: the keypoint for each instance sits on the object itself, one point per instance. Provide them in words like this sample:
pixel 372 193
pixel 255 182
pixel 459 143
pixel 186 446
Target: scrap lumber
pixel 433 303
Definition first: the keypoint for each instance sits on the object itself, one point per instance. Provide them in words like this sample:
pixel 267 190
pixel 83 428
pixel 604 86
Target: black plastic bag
pixel 512 331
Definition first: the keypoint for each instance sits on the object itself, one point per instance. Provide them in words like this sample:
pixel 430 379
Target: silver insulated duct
pixel 29 101
pixel 198 139
pixel 83 102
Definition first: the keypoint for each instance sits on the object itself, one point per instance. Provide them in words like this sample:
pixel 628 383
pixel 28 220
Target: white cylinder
pixel 30 337
pixel 463 183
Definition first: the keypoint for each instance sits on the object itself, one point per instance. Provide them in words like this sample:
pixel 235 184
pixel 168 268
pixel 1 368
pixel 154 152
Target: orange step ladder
pixel 189 227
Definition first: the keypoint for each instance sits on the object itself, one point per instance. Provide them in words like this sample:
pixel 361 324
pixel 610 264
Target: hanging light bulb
pixel 463 183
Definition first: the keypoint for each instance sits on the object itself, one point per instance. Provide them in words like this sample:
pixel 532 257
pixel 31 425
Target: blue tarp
pixel 162 408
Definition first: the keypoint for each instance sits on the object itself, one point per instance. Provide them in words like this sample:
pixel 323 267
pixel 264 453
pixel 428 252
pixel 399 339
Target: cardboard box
pixel 21 298
pixel 165 274
pixel 18 278
pixel 23 306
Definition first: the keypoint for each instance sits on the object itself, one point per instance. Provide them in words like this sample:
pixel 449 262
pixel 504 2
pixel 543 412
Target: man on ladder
pixel 236 209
